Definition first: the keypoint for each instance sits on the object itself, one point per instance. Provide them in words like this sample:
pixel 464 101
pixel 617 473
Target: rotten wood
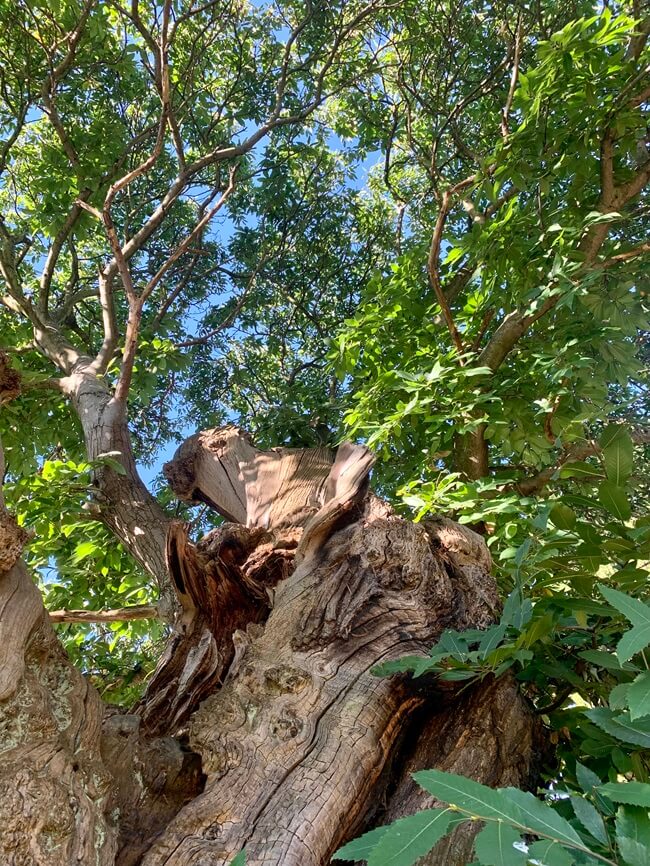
pixel 297 740
pixel 263 726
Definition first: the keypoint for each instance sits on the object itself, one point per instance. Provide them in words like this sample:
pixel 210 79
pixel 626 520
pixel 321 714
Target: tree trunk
pixel 122 501
pixel 263 726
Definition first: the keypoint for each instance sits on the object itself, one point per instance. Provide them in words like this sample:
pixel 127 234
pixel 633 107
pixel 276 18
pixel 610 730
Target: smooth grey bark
pixel 123 502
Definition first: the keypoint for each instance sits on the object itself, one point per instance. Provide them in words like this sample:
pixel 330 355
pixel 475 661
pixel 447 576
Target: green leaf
pixel 620 725
pixel 494 845
pixel 587 779
pixel 548 853
pixel 618 697
pixel 602 659
pixel 614 499
pixel 519 808
pixel 630 793
pixel 580 470
pixel 632 642
pixel 361 848
pixel 83 550
pixel 492 638
pixel 590 819
pixel 563 516
pixel 636 611
pixel 618 454
pixel 408 839
pixel 239 860
pixel 638 696
pixel 516 610
pixel 402 665
pixel 633 835
pixel 542 819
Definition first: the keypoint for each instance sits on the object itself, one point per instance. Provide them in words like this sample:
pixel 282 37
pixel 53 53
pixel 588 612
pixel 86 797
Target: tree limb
pixel 433 263
pixel 122 614
pixel 513 79
pixel 534 484
pixel 639 250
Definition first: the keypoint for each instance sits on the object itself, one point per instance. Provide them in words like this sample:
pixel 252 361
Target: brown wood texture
pixel 299 742
pixel 54 788
pixel 263 726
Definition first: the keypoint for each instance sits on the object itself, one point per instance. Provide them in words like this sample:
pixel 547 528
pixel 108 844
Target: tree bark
pixel 54 788
pixel 123 502
pixel 264 727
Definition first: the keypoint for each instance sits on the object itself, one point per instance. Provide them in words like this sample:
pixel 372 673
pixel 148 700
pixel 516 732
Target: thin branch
pixel 48 90
pixel 128 356
pixel 485 323
pixel 433 262
pixel 230 318
pixel 111 331
pixel 122 614
pixel 535 484
pixel 196 231
pixel 612 198
pixel 513 79
pixel 55 251
pixel 560 698
pixel 639 250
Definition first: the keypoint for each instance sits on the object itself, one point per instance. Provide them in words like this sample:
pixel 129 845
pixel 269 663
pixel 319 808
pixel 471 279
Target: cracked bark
pixel 263 726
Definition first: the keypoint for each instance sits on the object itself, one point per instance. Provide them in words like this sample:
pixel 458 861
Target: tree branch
pixel 196 231
pixel 122 614
pixel 633 253
pixel 513 79
pixel 536 483
pixel 433 263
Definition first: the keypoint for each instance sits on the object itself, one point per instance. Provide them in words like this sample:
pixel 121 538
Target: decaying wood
pixel 10 385
pixel 255 488
pixel 263 726
pixel 220 590
pixel 225 583
pixel 152 779
pixel 298 742
pixel 12 540
pixel 487 733
pixel 12 536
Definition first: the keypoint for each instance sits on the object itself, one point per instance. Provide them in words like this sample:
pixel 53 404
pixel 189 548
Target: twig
pixel 640 250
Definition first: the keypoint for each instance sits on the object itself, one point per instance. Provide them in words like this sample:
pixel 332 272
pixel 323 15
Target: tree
pixel 180 229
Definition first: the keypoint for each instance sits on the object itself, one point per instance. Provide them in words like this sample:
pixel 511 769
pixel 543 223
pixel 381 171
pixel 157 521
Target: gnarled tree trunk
pixel 264 726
